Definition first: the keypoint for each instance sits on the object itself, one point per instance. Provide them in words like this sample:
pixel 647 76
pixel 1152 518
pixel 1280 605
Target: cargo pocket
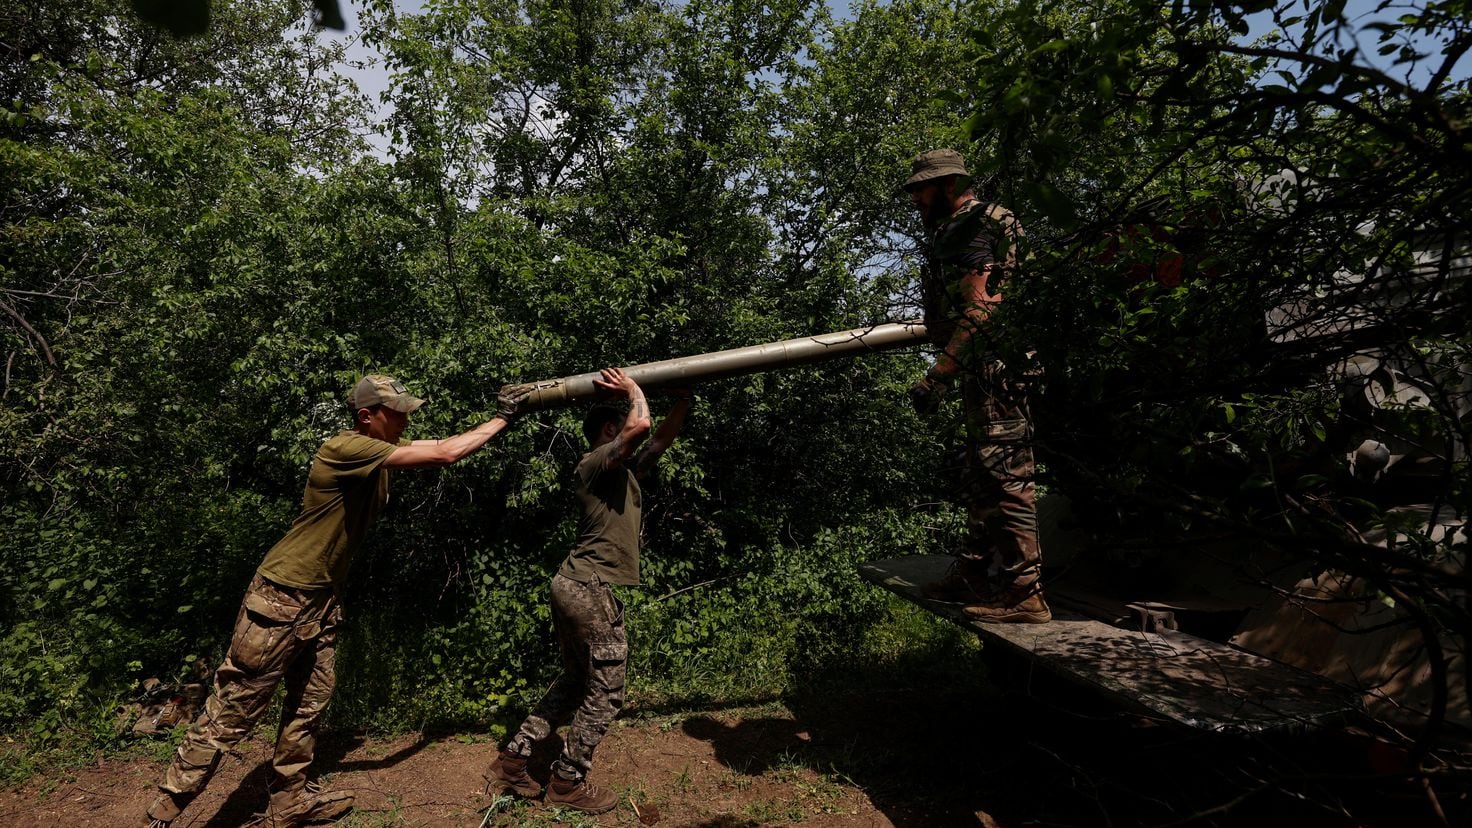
pixel 609 663
pixel 269 612
pixel 1005 455
pixel 608 653
pixel 1006 431
pixel 264 624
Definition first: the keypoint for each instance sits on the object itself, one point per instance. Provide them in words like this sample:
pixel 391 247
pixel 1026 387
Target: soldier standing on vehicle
pixel 287 626
pixel 974 249
pixel 587 616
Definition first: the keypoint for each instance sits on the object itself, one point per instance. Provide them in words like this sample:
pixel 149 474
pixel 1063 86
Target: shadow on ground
pixel 938 747
pixel 248 799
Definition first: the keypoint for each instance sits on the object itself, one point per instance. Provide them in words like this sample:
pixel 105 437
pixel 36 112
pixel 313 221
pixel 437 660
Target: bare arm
pixel 636 424
pixel 978 302
pixel 664 437
pixel 422 453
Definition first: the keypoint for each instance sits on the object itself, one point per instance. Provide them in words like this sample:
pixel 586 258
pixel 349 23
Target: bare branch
pixel 40 340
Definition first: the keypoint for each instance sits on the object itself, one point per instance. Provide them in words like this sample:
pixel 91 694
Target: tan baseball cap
pixel 937 163
pixel 377 389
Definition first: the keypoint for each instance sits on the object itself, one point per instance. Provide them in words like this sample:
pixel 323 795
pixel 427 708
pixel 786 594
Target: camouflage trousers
pixel 281 634
pixel 589 622
pixel 998 478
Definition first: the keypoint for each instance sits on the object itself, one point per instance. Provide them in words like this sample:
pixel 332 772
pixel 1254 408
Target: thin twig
pixel 688 588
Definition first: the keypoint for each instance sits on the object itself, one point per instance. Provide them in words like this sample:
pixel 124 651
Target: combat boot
pixel 165 809
pixel 580 795
pixel 508 773
pixel 968 581
pixel 1013 606
pixel 313 805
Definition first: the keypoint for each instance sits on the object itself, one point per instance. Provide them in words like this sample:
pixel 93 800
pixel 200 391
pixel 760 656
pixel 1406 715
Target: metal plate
pixel 1197 683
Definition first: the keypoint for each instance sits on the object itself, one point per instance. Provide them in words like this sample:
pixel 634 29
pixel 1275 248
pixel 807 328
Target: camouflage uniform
pixel 1002 527
pixel 588 618
pixel 286 629
pixel 281 635
pixel 589 621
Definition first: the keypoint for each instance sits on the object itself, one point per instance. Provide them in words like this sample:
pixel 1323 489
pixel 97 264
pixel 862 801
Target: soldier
pixel 287 625
pixel 587 617
pixel 974 248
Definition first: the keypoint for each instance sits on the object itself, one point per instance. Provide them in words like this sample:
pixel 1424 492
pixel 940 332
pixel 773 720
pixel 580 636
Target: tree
pixel 158 211
pixel 568 186
pixel 1242 241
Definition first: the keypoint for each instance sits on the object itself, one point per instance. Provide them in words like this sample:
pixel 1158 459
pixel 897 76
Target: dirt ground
pixel 921 750
pixel 749 767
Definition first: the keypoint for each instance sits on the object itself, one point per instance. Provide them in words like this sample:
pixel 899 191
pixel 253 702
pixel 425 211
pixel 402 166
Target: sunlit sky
pixel 367 70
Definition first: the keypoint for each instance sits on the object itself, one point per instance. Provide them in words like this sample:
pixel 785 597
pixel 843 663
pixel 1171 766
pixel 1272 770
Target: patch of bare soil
pixel 943 753
pixel 701 770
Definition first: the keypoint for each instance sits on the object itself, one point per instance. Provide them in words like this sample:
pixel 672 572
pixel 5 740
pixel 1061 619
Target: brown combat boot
pixel 580 795
pixel 508 773
pixel 1024 606
pixel 313 805
pixel 966 582
pixel 165 809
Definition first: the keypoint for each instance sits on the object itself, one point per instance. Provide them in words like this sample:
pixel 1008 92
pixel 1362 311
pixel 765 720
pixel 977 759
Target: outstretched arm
pixel 427 453
pixel 664 436
pixel 421 453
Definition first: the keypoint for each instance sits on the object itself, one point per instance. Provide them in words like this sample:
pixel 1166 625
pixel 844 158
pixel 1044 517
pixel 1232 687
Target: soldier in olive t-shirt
pixel 287 626
pixel 608 536
pixel 588 618
pixel 346 487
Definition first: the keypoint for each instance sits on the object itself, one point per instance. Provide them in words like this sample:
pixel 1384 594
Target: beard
pixel 934 212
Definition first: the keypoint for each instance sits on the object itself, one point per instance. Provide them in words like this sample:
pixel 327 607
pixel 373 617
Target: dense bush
pixel 205 255
pixel 198 254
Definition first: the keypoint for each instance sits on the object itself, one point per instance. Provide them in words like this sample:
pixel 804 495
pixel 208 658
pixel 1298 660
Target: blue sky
pixel 1361 12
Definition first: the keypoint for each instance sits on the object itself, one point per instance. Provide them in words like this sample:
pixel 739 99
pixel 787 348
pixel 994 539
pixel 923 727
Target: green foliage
pixel 1236 247
pixel 199 255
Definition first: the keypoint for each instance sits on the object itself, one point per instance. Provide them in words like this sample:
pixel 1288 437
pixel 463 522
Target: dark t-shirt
pixel 346 487
pixel 608 536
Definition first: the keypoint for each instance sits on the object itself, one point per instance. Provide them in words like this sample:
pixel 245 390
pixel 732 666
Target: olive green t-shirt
pixel 345 489
pixel 608 536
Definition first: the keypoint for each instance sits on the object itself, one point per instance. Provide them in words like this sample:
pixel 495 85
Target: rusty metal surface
pixel 1197 683
pixel 686 370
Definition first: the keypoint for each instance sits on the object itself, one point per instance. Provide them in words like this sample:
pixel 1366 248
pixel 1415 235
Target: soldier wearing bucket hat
pixel 974 249
pixel 287 626
pixel 937 164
